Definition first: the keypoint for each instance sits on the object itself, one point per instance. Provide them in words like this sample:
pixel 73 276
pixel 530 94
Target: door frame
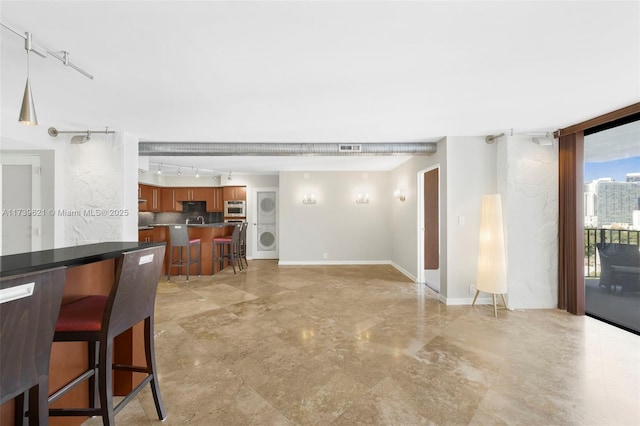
pixel 420 224
pixel 33 160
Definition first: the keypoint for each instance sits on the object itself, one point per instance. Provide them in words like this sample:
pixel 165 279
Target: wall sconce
pixel 492 265
pixel 399 195
pixel 362 199
pixel 309 199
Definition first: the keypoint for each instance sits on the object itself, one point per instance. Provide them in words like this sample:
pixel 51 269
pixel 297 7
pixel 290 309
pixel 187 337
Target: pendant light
pixel 28 109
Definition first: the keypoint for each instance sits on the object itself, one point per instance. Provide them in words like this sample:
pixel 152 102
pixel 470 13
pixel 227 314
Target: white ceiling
pixel 323 71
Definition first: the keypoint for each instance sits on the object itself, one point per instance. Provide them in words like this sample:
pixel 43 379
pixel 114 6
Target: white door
pixel 21 206
pixel 265 224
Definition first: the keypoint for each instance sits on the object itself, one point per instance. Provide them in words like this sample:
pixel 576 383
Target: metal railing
pixel 593 236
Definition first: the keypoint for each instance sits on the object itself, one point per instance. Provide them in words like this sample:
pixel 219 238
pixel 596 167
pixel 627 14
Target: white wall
pixel 101 187
pixel 470 173
pixel 347 232
pixel 73 175
pixel 528 183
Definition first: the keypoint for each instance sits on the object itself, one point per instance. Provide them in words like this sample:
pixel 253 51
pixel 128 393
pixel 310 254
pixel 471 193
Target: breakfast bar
pixel 205 232
pixel 90 270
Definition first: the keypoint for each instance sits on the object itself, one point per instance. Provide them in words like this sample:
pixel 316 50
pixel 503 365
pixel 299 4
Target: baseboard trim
pixel 404 272
pixel 331 262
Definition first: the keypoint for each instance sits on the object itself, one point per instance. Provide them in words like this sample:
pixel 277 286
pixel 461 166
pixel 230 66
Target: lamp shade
pixel 28 110
pixel 492 266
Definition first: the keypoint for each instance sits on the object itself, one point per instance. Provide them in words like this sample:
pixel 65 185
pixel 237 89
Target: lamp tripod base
pixel 495 306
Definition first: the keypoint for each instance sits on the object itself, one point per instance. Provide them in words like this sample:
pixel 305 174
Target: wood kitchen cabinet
pixel 214 203
pixel 168 202
pixel 145 235
pixel 149 198
pixel 234 193
pixel 198 193
pixel 171 199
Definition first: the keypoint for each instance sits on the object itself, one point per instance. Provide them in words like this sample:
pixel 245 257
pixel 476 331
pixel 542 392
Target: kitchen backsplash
pixel 149 218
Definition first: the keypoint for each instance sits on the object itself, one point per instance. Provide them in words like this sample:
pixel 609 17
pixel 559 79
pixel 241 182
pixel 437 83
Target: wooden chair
pixel 99 319
pixel 231 244
pixel 29 306
pixel 179 237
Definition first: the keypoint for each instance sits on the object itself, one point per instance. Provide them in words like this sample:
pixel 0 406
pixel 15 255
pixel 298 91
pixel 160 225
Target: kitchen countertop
pixel 193 225
pixel 22 263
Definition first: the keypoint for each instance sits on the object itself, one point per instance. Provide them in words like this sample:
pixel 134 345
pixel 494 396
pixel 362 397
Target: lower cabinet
pixel 145 235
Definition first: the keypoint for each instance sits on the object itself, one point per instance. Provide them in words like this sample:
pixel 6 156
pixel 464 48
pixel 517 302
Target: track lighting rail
pixel 30 46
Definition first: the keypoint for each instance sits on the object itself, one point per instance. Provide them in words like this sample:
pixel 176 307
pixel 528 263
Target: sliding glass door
pixel 612 223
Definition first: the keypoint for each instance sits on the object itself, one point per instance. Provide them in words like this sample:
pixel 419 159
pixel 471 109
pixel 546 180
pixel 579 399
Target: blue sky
pixel 616 169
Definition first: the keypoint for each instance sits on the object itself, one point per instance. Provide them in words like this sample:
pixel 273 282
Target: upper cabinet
pixel 156 199
pixel 148 198
pixel 214 202
pixel 234 193
pixel 168 201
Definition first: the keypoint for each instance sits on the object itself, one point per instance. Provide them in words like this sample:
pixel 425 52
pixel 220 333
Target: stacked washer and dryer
pixel 266 222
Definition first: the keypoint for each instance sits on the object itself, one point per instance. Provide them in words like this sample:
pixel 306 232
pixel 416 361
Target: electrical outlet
pixel 325 255
pixel 472 289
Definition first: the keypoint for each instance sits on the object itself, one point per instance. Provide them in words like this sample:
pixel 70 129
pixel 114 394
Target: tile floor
pixel 362 345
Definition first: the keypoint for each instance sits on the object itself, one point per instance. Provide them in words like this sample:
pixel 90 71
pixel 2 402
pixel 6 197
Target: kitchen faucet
pixel 201 219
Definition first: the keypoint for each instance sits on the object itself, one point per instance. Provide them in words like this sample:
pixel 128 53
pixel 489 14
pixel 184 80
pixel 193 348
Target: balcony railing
pixel 593 236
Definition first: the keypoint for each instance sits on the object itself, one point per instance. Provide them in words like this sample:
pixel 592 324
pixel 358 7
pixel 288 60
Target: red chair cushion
pixel 82 315
pixel 195 240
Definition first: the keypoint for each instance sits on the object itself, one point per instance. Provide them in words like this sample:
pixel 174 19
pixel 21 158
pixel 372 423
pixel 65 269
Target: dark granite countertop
pixel 22 263
pixel 197 225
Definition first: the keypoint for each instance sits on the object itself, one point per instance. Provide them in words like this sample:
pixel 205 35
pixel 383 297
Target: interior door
pixel 265 224
pixel 429 226
pixel 431 220
pixel 21 205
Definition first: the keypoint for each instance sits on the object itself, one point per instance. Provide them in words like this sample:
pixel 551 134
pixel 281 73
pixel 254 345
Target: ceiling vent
pixel 349 148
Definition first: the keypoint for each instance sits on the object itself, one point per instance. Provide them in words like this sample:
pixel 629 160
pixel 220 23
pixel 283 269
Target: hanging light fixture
pixel 28 109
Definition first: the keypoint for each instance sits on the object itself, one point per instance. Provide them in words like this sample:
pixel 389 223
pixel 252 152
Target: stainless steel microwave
pixel 235 208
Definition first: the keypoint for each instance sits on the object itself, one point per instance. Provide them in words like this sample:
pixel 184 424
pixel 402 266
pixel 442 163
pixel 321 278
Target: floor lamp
pixel 492 265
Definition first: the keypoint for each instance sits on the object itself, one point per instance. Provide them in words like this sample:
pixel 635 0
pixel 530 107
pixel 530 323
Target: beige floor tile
pixel 362 345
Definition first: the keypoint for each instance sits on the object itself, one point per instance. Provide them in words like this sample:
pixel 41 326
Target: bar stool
pixel 242 243
pixel 98 320
pixel 29 306
pixel 230 242
pixel 179 236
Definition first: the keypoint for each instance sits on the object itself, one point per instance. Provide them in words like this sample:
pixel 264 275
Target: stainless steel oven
pixel 235 208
